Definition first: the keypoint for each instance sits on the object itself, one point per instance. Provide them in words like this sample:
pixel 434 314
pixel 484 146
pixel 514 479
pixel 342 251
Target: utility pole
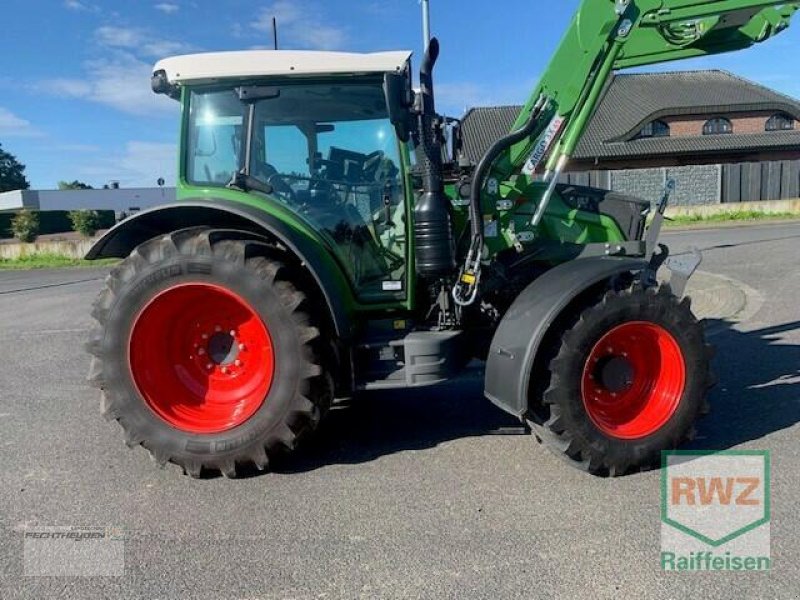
pixel 275 32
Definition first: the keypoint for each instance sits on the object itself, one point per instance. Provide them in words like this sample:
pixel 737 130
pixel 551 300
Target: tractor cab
pixel 309 133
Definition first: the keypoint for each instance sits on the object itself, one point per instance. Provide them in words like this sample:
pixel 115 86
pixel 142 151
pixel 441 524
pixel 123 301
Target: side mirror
pixel 399 99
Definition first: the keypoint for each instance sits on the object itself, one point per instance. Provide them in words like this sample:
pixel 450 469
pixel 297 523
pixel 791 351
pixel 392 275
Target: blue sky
pixel 75 101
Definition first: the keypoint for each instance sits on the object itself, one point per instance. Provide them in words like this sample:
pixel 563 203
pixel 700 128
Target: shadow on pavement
pixel 376 424
pixel 758 393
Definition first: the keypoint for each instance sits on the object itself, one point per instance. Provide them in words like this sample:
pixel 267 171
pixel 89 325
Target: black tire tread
pixel 552 429
pixel 311 401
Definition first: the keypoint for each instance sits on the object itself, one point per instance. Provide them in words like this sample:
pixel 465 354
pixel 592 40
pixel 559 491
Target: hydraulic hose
pixel 465 290
pixel 475 213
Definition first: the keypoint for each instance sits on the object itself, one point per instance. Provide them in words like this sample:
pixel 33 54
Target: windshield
pixel 329 152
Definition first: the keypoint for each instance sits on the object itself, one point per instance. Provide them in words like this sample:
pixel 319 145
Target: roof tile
pixel 633 100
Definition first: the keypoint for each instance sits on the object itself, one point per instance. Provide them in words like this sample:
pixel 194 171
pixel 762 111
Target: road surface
pixel 402 495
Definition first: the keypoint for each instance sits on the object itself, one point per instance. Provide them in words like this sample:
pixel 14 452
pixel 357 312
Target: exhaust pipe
pixel 435 244
pixel 426 24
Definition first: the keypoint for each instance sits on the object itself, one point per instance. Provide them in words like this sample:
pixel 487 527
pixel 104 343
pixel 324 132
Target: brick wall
pixel 751 122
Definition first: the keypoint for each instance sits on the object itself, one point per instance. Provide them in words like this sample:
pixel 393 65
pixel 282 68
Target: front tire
pixel 629 379
pixel 206 352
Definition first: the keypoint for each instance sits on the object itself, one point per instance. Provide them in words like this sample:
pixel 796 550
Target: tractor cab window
pixel 215 137
pixel 330 154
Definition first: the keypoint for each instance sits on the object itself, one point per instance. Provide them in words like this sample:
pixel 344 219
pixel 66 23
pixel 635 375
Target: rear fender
pixel 517 340
pixel 222 214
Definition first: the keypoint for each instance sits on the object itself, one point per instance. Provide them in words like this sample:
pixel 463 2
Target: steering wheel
pixel 270 174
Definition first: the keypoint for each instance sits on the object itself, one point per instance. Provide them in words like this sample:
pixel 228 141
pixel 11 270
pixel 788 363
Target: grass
pixel 50 261
pixel 725 217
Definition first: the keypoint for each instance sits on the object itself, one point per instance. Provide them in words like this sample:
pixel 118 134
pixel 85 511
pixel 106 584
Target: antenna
pixel 275 32
pixel 426 23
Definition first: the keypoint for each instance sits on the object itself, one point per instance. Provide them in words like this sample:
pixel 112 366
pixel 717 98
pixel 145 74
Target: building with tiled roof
pixel 676 119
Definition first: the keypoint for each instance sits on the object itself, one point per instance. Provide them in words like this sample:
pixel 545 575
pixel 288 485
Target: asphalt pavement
pixel 402 495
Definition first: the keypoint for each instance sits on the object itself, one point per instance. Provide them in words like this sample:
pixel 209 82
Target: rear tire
pixel 207 352
pixel 629 379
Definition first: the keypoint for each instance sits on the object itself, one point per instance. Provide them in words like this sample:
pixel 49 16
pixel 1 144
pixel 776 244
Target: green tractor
pixel 328 239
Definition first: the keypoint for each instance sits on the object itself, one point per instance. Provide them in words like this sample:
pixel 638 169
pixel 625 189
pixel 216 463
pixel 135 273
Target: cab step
pixel 386 360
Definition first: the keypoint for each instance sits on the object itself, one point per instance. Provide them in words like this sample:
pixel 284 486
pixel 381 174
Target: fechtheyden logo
pixel 74 551
pixel 715 511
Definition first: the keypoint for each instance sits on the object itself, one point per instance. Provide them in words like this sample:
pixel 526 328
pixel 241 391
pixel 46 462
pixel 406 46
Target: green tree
pixel 12 173
pixel 25 225
pixel 73 185
pixel 85 222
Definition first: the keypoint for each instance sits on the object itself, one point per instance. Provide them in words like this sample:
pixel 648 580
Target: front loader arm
pixel 604 35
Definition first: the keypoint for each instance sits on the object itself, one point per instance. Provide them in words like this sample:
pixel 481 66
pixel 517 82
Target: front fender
pixel 517 340
pixel 222 214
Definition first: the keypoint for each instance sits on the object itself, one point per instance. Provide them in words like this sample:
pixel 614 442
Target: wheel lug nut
pixel 242 346
pixel 209 366
pixel 217 328
pixel 204 336
pixel 201 351
pixel 225 370
pixel 238 363
pixel 232 333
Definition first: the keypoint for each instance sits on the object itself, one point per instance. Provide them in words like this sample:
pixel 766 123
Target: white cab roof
pixel 212 66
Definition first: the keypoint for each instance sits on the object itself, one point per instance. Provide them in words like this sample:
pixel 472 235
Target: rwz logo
pixel 715 497
pixel 705 491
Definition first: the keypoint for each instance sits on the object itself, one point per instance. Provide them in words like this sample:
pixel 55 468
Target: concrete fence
pixel 67 248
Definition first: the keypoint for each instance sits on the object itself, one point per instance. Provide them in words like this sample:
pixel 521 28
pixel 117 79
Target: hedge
pixel 53 221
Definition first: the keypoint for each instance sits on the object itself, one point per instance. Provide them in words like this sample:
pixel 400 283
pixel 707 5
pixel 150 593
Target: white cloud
pixel 460 96
pixel 137 40
pixel 66 87
pixel 137 164
pixel 300 24
pixel 75 5
pixel 167 8
pixel 121 79
pixel 77 148
pixel 12 125
pixel 164 48
pixel 454 98
pixel 80 6
pixel 121 82
pixel 119 37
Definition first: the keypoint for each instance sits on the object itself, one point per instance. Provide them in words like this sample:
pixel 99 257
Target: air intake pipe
pixel 433 225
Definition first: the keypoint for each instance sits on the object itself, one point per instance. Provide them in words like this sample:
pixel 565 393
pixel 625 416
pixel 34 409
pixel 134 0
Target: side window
pixel 215 138
pixel 361 138
pixel 286 150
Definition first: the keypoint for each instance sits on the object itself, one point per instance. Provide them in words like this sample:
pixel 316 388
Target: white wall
pixel 16 200
pixel 121 200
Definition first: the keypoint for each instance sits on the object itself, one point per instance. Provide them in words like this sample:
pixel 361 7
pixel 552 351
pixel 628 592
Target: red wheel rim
pixel 633 380
pixel 201 358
